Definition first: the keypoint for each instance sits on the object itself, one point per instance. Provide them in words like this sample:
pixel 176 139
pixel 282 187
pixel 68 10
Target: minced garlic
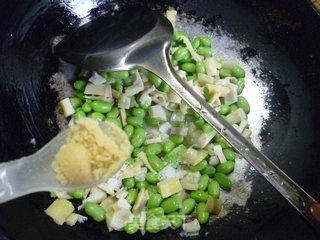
pixel 91 152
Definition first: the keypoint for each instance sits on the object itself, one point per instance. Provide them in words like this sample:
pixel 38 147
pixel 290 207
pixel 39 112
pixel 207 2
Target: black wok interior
pixel 285 34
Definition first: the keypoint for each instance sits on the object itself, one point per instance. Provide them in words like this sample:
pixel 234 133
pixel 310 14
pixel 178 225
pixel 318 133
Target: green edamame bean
pixel 141 184
pixel 153 149
pixel 152 177
pixel 145 106
pixel 86 107
pixel 114 112
pixel 205 41
pixel 164 87
pixel 238 72
pixel 129 161
pixel 168 146
pixel 203 182
pixel 200 68
pixel 195 42
pixel 75 102
pixel 202 214
pixel 138 137
pixel 128 129
pixel 127 82
pixel 135 121
pixel 187 206
pixel 223 73
pixel 201 165
pixel 188 67
pixel 101 106
pixel 152 121
pixel 243 103
pixel 226 167
pixel 154 201
pixel 209 170
pixel 114 121
pixel 229 154
pixel 224 109
pixel 97 116
pixel 240 85
pixel 177 35
pixel 157 211
pixel 155 162
pixel 177 139
pixel 104 74
pixel 129 182
pixel 154 79
pixel 156 223
pixel 119 74
pixel 175 219
pixel 152 189
pixel 79 194
pixel 199 122
pixel 214 189
pixel 222 144
pixel 199 196
pixel 132 195
pixel 170 204
pixel 207 128
pixel 78 114
pixel 174 62
pixel 233 107
pixel 204 51
pixel 95 211
pixel 80 85
pixel 181 54
pixel 132 227
pixel 192 78
pixel 223 180
pixel 138 112
pixel 80 95
pixel 117 86
pixel 136 151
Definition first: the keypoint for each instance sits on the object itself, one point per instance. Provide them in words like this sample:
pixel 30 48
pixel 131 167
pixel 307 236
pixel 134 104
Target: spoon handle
pixel 303 202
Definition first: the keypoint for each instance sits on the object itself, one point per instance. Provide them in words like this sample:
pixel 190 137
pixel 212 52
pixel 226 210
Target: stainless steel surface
pixel 151 51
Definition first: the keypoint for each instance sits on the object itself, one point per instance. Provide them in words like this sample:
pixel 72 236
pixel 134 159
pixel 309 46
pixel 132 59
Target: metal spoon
pixel 140 38
pixel 34 173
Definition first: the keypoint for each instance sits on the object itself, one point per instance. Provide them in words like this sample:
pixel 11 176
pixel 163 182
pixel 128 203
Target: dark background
pixel 285 34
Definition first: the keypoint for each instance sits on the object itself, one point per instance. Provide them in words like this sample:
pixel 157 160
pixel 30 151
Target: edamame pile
pixel 179 163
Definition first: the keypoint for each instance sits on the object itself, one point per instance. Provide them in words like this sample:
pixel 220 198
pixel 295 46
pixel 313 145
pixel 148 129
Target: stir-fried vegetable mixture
pixel 179 163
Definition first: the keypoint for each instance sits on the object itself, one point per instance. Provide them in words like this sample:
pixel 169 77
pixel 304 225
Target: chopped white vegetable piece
pixel 182 74
pixel 124 101
pixel 198 138
pixel 177 117
pixel 137 85
pixel 59 210
pixel 236 117
pixel 243 124
pixel 173 97
pixel 121 193
pixel 123 116
pixel 71 122
pixel 190 180
pixel 218 151
pixel 209 148
pixel 73 218
pixel 115 94
pixel 165 127
pixel 218 90
pixel 133 102
pixel 214 160
pixel 204 79
pixel 142 221
pixel 123 203
pixel 159 97
pixel 145 98
pixel 193 53
pixel 229 63
pixel 246 133
pixel 111 185
pixel 157 111
pixel 153 139
pixel 96 79
pixel 143 158
pixel 117 217
pixel 232 96
pixel 96 195
pixel 98 91
pixel 183 131
pixel 141 201
pixel 108 202
pixel 169 187
pixel 193 156
pixel 168 172
pixel 212 66
pixel 171 15
pixel 66 106
pixel 191 227
pixel 61 194
pixel 142 175
pixel 130 171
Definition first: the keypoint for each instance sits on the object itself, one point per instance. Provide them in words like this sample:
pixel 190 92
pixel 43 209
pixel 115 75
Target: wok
pixel 279 42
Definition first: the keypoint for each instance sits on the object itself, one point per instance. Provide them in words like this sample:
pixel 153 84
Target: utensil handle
pixel 303 202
